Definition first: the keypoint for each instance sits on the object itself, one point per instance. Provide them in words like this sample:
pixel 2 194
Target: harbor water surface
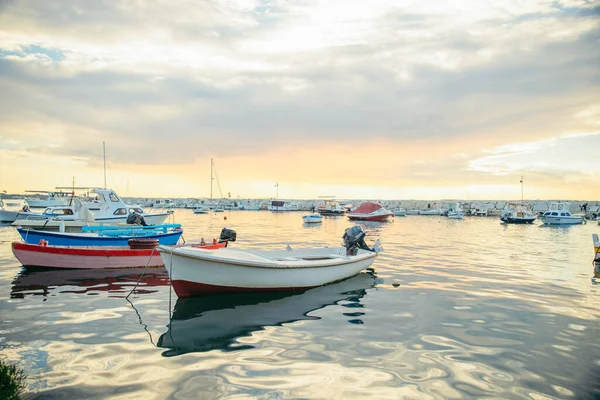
pixel 454 309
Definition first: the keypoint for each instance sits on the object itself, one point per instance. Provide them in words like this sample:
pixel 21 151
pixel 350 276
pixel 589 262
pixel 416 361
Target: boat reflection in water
pixel 215 322
pixel 38 281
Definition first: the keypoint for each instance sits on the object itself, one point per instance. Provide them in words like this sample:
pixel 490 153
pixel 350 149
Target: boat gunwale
pixel 269 263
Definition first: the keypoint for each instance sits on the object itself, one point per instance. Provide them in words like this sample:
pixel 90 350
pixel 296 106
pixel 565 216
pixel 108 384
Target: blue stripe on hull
pixel 61 239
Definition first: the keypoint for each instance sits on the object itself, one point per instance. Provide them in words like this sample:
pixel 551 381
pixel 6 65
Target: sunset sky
pixel 355 99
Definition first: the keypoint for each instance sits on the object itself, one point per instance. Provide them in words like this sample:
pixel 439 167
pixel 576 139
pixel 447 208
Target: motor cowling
pixel 354 239
pixel 227 235
pixel 136 219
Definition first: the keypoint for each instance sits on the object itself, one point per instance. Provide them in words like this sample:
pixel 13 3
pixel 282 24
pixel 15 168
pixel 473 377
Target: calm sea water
pixel 454 309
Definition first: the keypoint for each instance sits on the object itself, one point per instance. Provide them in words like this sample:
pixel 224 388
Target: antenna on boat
pixel 277 190
pixel 521 188
pixel 104 153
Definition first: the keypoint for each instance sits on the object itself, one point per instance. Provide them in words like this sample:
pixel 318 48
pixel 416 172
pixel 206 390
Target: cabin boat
pixel 51 199
pixel 369 211
pixel 330 207
pixel 517 213
pixel 195 272
pixel 558 214
pixel 280 206
pixel 113 210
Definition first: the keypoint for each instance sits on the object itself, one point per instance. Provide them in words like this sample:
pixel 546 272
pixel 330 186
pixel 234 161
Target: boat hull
pixel 552 220
pixel 95 257
pixel 516 220
pixel 7 217
pixel 81 239
pixel 201 272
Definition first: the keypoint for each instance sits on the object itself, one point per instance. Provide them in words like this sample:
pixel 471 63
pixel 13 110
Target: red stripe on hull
pixel 377 218
pixel 97 251
pixel 191 289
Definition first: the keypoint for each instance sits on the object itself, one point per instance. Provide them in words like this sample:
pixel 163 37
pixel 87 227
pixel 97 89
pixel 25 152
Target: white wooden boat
pixel 312 219
pixel 196 272
pixel 413 212
pixel 558 214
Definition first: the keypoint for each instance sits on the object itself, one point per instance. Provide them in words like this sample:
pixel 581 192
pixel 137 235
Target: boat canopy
pixel 367 208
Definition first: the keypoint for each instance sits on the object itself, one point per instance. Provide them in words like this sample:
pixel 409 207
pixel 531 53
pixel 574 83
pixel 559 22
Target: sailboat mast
pixel 211 177
pixel 104 152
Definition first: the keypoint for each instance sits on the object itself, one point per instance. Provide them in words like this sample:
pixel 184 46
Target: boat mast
pixel 104 152
pixel 211 177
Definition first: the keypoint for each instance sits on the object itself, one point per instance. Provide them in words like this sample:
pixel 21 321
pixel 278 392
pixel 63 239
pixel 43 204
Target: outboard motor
pixel 227 235
pixel 354 239
pixel 136 219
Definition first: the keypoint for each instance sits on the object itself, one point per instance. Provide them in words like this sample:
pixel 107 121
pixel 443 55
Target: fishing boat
pixel 455 211
pixel 517 213
pixel 139 253
pixel 113 210
pixel 312 219
pixel 201 210
pixel 330 207
pixel 196 272
pixel 558 214
pixel 51 199
pixel 369 211
pixel 413 212
pixel 108 235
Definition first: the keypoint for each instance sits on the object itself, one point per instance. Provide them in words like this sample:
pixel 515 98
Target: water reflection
pixel 37 281
pixel 215 322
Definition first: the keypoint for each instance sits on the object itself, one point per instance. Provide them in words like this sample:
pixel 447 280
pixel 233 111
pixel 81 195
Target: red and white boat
pixel 196 272
pixel 369 212
pixel 139 253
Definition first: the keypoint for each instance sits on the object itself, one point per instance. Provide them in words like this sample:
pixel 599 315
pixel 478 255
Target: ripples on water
pixel 455 309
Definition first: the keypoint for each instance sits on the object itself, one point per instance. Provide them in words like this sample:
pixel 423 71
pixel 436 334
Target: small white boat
pixel 195 272
pixel 201 210
pixel 558 214
pixel 455 211
pixel 413 212
pixel 430 211
pixel 312 218
pixel 399 212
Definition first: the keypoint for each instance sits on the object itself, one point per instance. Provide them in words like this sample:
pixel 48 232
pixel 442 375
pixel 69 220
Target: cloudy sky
pixel 358 99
